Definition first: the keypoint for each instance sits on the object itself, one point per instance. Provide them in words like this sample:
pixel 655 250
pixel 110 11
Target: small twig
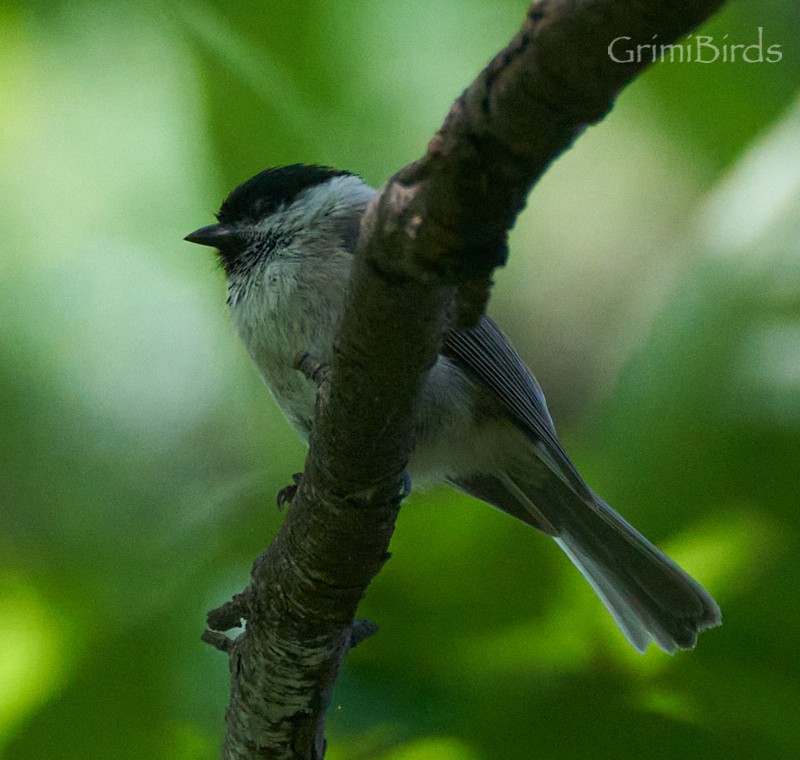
pixel 362 629
pixel 217 640
pixel 230 614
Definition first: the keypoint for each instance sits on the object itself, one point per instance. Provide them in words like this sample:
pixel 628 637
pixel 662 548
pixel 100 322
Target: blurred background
pixel 653 286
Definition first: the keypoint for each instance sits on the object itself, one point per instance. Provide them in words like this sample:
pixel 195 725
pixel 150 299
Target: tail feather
pixel 627 618
pixel 649 596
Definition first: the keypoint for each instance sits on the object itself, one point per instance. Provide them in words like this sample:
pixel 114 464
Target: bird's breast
pixel 280 316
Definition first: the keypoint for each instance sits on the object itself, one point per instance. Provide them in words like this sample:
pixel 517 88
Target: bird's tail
pixel 649 596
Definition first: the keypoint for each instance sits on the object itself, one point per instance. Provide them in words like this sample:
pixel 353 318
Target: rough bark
pixel 428 246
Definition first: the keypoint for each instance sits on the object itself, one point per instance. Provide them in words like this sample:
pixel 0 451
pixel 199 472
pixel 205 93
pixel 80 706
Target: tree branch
pixel 429 242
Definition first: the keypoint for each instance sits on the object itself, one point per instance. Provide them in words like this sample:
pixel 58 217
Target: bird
pixel 286 240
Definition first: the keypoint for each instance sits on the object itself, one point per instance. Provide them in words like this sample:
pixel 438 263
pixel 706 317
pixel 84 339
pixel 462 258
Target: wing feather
pixel 486 353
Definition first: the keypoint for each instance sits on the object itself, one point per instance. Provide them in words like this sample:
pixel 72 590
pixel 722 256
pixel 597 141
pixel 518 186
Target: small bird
pixel 286 240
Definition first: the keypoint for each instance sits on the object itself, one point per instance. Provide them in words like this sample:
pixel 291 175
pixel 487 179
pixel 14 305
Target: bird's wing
pixel 649 596
pixel 486 354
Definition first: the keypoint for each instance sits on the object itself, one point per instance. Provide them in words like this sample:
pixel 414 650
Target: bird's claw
pixel 406 489
pixel 287 493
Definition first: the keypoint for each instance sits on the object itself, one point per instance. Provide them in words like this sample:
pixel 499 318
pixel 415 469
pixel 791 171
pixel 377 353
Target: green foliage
pixel 653 287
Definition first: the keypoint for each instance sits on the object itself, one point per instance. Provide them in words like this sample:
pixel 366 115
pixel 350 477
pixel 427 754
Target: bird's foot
pixel 287 493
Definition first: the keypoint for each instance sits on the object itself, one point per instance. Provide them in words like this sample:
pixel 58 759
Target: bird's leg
pixel 287 493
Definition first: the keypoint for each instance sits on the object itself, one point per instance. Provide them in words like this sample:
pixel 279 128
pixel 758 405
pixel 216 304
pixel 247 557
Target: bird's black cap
pixel 268 190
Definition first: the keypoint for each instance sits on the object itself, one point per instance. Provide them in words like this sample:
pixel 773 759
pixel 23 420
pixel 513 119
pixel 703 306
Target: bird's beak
pixel 215 235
